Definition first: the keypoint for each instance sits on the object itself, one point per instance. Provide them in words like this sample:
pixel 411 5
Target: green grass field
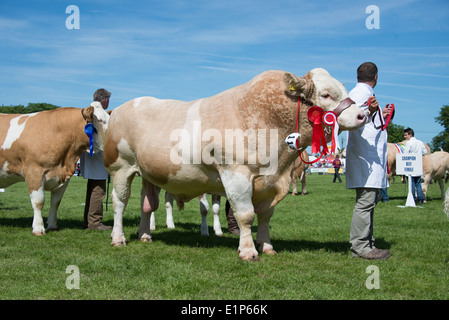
pixel 310 234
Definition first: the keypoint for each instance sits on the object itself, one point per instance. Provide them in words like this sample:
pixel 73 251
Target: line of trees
pixel 441 141
pixel 30 108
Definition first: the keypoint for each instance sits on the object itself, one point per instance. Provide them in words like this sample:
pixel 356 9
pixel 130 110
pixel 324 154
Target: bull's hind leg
pixel 169 210
pixel 216 211
pixel 441 183
pixel 120 195
pixel 204 209
pixel 263 232
pixel 238 186
pixel 149 202
pixel 56 197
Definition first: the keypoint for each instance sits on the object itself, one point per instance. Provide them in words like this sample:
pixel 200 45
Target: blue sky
pixel 193 49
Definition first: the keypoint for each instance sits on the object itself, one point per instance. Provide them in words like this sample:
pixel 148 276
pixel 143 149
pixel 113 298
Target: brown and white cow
pixel 42 149
pixel 436 167
pixel 231 144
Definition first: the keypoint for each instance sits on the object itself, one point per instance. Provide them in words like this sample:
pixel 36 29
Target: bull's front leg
pixel 263 232
pixel 238 188
pixel 56 197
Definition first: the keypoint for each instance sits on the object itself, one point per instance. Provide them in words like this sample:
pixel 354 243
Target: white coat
pixel 93 167
pixel 414 145
pixel 366 150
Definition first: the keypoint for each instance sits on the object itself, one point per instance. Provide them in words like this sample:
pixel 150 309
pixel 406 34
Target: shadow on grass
pixel 188 234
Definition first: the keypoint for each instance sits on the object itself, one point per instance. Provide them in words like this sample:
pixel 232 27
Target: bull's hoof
pixel 145 238
pixel 39 233
pixel 121 243
pixel 50 229
pixel 249 255
pixel 270 252
pixel 266 248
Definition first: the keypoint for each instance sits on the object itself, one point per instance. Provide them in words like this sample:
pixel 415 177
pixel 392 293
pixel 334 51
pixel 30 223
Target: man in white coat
pixel 92 168
pixel 366 164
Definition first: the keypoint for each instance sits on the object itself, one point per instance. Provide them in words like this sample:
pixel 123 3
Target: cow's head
pixel 99 118
pixel 319 88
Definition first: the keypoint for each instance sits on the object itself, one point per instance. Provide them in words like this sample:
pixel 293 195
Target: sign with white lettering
pixel 409 164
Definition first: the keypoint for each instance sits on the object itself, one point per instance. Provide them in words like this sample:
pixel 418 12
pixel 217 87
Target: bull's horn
pixel 298 86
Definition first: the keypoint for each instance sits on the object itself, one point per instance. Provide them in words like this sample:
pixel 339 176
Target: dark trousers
pixel 337 174
pixel 93 211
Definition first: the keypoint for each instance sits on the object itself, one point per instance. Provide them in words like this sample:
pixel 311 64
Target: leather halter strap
pixel 344 104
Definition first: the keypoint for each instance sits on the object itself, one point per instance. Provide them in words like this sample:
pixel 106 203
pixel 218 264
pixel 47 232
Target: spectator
pixel 337 165
pixel 414 145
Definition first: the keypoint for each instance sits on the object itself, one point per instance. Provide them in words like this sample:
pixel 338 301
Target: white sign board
pixel 409 164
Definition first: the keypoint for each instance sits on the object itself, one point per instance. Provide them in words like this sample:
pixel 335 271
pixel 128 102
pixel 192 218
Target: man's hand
pixel 386 111
pixel 373 104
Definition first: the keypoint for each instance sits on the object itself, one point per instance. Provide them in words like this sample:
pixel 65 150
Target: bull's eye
pixel 325 96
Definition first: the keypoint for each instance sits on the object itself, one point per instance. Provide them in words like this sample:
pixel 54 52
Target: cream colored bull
pixel 446 203
pixel 436 167
pixel 231 144
pixel 299 171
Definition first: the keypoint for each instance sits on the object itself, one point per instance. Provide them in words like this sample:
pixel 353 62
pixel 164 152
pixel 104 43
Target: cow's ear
pixel 297 86
pixel 88 114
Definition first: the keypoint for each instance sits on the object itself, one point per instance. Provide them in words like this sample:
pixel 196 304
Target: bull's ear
pixel 297 86
pixel 88 114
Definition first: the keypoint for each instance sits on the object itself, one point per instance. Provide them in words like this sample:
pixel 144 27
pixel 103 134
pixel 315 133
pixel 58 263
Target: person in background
pixel 337 165
pixel 92 168
pixel 366 164
pixel 414 145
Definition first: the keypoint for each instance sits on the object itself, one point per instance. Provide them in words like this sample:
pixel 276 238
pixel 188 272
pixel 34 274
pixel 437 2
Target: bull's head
pixel 99 118
pixel 319 88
